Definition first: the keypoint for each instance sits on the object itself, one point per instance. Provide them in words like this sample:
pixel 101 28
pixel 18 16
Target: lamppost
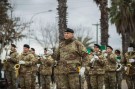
pixel 96 32
pixel 32 19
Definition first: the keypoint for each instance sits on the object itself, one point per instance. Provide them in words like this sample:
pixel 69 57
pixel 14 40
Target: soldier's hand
pixel 21 62
pixel 82 70
pixel 125 68
pixel 96 57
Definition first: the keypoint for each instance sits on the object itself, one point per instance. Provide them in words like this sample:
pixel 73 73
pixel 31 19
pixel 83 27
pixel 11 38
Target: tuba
pixel 17 67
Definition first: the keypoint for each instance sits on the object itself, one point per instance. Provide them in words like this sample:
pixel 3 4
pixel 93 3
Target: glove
pixel 105 55
pixel 92 60
pixel 96 57
pixel 8 57
pixel 21 62
pixel 38 65
pixel 125 68
pixel 131 60
pixel 82 70
pixel 118 61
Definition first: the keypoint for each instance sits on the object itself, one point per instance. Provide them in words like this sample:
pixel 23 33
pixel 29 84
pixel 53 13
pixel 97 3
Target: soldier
pixel 11 60
pixel 119 76
pixel 71 57
pixel 34 69
pixel 130 67
pixel 26 60
pixel 46 69
pixel 97 68
pixel 110 73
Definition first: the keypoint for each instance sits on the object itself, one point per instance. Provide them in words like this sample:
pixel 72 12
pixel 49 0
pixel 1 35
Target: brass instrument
pixel 17 67
pixel 128 68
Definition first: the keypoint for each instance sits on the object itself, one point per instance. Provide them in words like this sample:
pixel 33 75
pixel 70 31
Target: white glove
pixel 92 60
pixel 125 68
pixel 21 62
pixel 8 57
pixel 96 57
pixel 49 51
pixel 118 61
pixel 82 70
pixel 131 60
pixel 105 55
pixel 38 65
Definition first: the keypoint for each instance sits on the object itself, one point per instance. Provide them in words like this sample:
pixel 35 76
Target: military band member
pixel 26 60
pixel 110 72
pixel 47 63
pixel 97 68
pixel 11 60
pixel 71 57
pixel 130 67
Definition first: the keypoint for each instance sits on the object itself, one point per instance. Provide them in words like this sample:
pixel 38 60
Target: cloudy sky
pixel 80 12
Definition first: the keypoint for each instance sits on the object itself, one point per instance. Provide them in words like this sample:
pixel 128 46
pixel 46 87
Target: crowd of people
pixel 68 66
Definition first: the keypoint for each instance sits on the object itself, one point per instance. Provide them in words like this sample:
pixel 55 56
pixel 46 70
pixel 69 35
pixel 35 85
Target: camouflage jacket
pixel 29 61
pixel 98 66
pixel 12 61
pixel 111 62
pixel 130 55
pixel 70 55
pixel 47 63
pixel 35 62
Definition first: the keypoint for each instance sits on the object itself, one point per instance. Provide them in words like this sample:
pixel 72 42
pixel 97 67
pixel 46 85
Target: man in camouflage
pixel 71 57
pixel 97 68
pixel 34 69
pixel 11 60
pixel 119 70
pixel 26 60
pixel 46 69
pixel 130 67
pixel 110 72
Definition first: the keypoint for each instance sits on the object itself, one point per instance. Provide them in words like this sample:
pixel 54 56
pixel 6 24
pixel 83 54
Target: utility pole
pixel 97 25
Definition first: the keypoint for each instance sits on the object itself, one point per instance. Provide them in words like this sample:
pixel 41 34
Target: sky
pixel 80 12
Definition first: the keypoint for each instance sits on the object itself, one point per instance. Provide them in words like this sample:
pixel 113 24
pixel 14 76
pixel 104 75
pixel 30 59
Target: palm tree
pixel 123 16
pixel 87 42
pixel 62 12
pixel 104 20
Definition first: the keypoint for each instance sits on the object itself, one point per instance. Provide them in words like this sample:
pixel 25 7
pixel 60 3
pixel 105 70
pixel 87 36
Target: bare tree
pixel 47 36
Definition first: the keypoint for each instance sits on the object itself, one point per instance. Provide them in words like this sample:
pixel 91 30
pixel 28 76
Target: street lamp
pixel 96 32
pixel 33 17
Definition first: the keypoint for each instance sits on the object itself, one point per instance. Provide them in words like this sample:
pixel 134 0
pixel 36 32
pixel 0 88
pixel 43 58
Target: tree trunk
pixel 62 12
pixel 104 22
pixel 125 42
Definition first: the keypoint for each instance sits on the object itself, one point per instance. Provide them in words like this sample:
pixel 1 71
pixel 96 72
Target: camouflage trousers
pixel 11 79
pixel 46 80
pixel 25 80
pixel 119 78
pixel 33 81
pixel 97 81
pixel 110 80
pixel 69 81
pixel 87 77
pixel 130 81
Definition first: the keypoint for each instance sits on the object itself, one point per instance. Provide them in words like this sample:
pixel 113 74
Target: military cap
pixel 96 45
pixel 32 49
pixel 69 30
pixel 110 47
pixel 26 45
pixel 13 45
pixel 117 51
pixel 45 49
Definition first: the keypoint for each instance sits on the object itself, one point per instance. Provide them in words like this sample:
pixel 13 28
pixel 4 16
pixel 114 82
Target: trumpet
pixel 128 68
pixel 17 67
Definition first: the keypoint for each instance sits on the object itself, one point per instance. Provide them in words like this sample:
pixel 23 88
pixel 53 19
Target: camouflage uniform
pixel 34 71
pixel 130 72
pixel 10 70
pixel 119 74
pixel 110 74
pixel 26 70
pixel 70 54
pixel 97 71
pixel 46 71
